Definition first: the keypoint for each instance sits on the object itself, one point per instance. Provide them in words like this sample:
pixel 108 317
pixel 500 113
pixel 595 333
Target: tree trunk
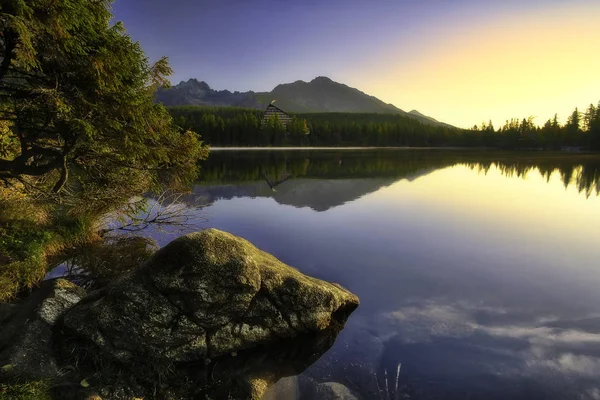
pixel 64 174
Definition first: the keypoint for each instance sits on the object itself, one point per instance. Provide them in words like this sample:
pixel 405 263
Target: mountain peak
pixel 321 79
pixel 195 92
pixel 197 84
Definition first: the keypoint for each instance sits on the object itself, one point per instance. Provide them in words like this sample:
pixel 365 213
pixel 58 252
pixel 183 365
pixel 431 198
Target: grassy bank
pixel 32 237
pixel 38 390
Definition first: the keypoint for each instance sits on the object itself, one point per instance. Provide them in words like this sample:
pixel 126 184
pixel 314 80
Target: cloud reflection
pixel 447 341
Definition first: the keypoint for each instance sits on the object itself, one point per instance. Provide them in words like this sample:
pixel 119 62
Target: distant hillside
pixel 321 95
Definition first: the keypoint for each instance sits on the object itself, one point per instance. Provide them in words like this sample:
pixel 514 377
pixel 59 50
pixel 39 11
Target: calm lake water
pixel 478 272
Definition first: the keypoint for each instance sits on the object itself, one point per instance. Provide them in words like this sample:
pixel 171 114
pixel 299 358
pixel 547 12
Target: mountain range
pixel 319 95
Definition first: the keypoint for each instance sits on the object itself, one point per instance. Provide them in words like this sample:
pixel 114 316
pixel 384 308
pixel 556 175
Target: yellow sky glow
pixel 531 204
pixel 538 64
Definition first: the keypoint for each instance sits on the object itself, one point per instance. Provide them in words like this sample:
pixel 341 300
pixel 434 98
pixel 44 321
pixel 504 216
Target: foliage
pixel 298 131
pixel 38 390
pixel 80 133
pixel 226 126
pixel 592 126
pixel 30 238
pixel 357 129
pixel 274 130
pixel 9 145
pixel 77 95
pixel 230 126
pixel 581 130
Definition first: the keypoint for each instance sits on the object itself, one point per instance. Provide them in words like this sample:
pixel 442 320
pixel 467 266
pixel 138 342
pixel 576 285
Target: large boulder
pixel 206 298
pixel 26 330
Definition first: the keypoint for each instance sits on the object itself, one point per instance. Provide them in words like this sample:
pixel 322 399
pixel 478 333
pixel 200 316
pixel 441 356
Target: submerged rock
pixel 334 391
pixel 26 330
pixel 212 304
pixel 305 388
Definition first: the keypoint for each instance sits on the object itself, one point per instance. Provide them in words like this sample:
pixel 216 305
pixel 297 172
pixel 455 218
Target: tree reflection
pixel 580 171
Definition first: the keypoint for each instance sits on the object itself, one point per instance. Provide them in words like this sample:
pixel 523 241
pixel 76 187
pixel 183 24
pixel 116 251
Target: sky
pixel 460 61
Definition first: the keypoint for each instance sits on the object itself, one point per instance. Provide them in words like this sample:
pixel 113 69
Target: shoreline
pixel 355 148
pixel 342 148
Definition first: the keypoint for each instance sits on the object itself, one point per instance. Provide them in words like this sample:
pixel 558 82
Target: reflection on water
pixel 582 171
pixel 477 272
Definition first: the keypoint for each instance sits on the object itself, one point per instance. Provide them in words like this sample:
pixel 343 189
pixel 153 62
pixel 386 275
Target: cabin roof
pixel 274 106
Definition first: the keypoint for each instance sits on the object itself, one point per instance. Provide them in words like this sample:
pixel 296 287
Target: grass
pixel 37 390
pixel 30 239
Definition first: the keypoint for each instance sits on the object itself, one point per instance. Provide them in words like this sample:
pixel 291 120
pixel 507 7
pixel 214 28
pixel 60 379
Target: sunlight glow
pixel 467 195
pixel 536 63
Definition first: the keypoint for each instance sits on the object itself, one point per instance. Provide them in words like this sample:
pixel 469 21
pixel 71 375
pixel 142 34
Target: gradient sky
pixel 460 61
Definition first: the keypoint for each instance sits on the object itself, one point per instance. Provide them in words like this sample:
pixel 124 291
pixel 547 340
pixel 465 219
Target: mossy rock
pixel 208 296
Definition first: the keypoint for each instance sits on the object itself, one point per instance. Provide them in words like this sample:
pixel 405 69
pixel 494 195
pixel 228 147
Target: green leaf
pixel 7 367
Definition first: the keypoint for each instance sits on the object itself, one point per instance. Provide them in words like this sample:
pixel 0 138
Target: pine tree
pixel 77 94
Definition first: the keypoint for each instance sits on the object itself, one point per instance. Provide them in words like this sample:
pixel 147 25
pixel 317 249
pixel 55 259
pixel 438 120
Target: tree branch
pixel 20 166
pixel 64 174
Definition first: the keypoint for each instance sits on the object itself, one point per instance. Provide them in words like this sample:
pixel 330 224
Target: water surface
pixel 478 273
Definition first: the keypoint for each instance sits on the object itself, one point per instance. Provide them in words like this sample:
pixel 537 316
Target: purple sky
pixel 245 44
pixel 461 61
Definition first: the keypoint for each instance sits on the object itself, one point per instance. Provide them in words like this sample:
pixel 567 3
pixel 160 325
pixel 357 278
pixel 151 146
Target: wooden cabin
pixel 273 110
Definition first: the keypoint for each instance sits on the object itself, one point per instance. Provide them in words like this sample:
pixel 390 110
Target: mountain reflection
pixel 326 179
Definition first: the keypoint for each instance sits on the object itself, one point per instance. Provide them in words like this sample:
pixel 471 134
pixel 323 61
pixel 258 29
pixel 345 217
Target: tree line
pixel 231 126
pixel 582 129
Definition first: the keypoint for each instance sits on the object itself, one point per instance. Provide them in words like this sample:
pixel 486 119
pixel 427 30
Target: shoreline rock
pixel 205 295
pixel 208 316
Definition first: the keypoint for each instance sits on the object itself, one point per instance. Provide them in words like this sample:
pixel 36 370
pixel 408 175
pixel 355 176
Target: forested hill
pixel 230 126
pixel 234 126
pixel 317 96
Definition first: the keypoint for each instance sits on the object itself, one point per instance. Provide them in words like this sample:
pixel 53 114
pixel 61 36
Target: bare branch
pixel 167 213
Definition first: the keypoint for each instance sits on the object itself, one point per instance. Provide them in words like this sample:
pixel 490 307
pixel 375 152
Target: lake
pixel 478 271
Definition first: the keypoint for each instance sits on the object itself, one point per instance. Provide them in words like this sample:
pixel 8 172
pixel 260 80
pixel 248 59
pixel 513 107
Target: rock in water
pixel 334 391
pixel 209 296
